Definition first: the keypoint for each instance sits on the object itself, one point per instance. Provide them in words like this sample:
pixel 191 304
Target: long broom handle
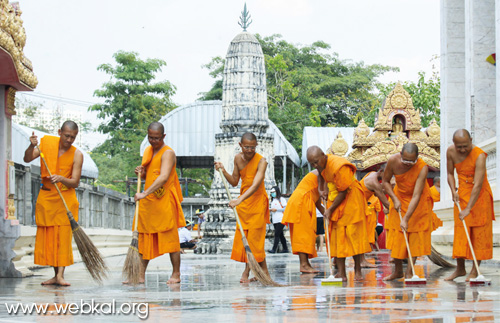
pixel 42 156
pixel 230 198
pixel 470 242
pixel 327 224
pixel 407 245
pixel 136 214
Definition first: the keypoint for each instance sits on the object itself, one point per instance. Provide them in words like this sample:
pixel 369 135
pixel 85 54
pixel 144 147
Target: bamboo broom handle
pixel 136 214
pixel 407 245
pixel 470 242
pixel 230 198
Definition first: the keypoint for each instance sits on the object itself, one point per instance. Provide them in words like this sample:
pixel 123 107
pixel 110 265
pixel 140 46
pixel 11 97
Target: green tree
pixel 424 93
pixel 309 86
pixel 131 102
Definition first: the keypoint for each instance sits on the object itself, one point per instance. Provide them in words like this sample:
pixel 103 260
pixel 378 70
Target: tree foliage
pixel 310 86
pixel 131 102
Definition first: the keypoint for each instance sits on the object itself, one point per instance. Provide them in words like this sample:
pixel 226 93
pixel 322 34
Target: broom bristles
pixel 91 257
pixel 256 269
pixel 133 262
pixel 437 258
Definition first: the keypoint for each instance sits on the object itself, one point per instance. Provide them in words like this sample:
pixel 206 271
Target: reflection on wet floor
pixel 210 290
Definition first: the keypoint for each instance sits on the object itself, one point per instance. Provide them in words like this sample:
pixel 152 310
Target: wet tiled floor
pixel 210 292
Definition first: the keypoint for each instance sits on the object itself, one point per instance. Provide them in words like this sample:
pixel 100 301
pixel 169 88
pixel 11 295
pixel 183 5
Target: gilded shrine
pixel 397 123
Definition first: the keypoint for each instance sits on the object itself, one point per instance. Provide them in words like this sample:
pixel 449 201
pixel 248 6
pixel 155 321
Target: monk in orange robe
pixel 160 211
pixel 300 215
pixel 436 189
pixel 346 208
pixel 374 194
pixel 411 196
pixel 476 200
pixel 53 234
pixel 252 205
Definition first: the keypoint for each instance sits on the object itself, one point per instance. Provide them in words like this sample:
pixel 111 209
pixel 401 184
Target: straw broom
pixel 133 262
pixel 91 257
pixel 252 262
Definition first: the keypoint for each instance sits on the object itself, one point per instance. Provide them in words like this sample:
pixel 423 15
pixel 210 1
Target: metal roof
pixel 323 137
pixel 190 131
pixel 21 141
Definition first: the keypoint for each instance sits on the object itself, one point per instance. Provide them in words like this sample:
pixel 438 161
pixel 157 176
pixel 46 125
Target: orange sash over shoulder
pixel 50 210
pixel 302 202
pixel 254 211
pixel 161 210
pixel 482 212
pixel 339 173
pixel 421 218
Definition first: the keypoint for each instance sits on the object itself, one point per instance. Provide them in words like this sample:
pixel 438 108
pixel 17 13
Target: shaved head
pixel 410 148
pixel 248 136
pixel 461 133
pixel 157 126
pixel 437 179
pixel 314 151
pixel 70 125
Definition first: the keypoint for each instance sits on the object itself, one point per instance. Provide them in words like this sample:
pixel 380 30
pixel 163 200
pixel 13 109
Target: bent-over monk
pixel 411 197
pixel 346 208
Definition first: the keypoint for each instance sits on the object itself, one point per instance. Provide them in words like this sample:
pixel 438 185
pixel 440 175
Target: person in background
pixel 278 204
pixel 185 239
pixel 320 231
pixel 201 218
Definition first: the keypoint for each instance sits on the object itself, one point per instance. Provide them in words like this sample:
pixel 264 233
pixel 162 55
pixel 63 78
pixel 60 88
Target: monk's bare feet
pixel 394 276
pixel 62 282
pixel 52 281
pixel 174 279
pixel 308 270
pixel 126 282
pixel 367 264
pixel 358 276
pixel 456 273
pixel 245 281
pixel 473 274
pixel 344 278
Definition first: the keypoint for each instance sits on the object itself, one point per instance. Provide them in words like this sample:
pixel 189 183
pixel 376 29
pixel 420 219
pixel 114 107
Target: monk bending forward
pixel 476 200
pixel 346 208
pixel 411 196
pixel 300 215
pixel 252 205
pixel 160 211
pixel 53 234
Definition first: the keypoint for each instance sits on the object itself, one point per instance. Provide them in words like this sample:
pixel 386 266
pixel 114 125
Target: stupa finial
pixel 245 19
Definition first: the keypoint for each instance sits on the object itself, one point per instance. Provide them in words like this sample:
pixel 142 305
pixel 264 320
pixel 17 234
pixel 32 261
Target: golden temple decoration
pixel 13 39
pixel 339 147
pixel 10 107
pixel 11 206
pixel 398 122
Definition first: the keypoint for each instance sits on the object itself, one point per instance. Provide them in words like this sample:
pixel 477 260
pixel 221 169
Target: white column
pixel 497 36
pixel 480 76
pixel 453 103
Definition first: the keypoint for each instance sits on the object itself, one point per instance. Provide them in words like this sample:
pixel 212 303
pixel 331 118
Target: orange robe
pixel 348 222
pixel 480 219
pixel 436 196
pixel 374 207
pixel 372 213
pixel 421 222
pixel 300 215
pixel 254 215
pixel 160 213
pixel 53 234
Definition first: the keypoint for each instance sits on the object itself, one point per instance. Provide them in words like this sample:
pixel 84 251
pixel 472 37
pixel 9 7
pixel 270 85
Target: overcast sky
pixel 67 40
